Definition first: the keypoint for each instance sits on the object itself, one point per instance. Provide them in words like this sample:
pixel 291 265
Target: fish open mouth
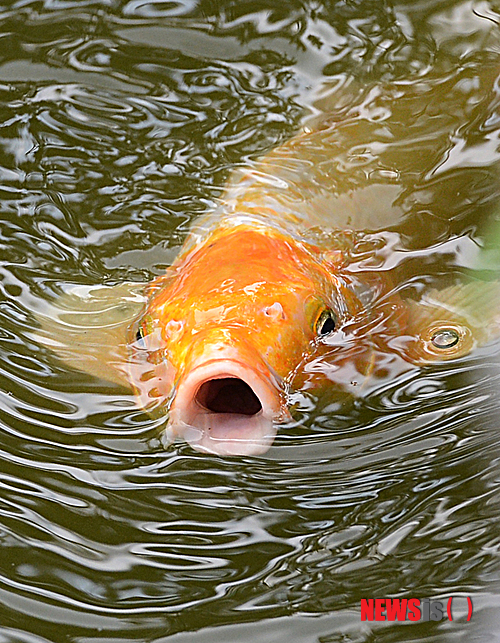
pixel 225 408
pixel 228 395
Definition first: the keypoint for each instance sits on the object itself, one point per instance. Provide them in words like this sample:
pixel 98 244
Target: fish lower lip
pixel 230 434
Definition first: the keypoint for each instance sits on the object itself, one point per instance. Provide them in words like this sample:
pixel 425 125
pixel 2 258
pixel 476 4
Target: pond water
pixel 120 122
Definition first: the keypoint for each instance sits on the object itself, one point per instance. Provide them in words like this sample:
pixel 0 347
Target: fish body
pixel 268 286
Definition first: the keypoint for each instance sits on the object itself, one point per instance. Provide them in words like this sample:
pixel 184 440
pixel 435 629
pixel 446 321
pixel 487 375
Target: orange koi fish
pixel 273 281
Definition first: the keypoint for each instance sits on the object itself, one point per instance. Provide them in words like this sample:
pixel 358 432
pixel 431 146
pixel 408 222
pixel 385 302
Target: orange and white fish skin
pixel 259 289
pixel 221 334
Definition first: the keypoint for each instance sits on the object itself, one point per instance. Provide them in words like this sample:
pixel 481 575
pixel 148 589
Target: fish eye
pixel 445 338
pixel 141 334
pixel 326 323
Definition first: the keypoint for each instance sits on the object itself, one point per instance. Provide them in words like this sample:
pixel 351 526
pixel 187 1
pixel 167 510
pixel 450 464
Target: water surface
pixel 120 122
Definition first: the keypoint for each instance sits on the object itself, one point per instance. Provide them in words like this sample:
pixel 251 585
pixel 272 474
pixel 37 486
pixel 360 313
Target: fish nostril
pixel 228 395
pixel 275 311
pixel 174 329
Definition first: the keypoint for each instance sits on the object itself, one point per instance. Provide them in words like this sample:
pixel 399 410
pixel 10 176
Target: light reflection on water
pixel 120 122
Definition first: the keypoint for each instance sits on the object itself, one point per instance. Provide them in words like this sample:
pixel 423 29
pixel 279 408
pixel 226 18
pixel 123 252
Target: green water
pixel 120 122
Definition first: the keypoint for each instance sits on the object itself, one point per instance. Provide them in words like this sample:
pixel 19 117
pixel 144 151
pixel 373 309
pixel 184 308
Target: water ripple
pixel 120 122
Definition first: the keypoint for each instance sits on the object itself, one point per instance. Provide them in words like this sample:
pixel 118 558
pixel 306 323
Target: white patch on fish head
pixel 252 289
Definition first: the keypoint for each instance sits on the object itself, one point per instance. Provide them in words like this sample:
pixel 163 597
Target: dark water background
pixel 119 123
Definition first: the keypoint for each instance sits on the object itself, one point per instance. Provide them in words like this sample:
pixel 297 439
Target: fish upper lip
pixel 267 392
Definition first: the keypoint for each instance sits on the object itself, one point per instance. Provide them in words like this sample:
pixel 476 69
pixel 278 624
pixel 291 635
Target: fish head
pixel 219 338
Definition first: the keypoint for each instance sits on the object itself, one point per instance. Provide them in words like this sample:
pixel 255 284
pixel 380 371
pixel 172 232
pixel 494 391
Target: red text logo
pixel 408 609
